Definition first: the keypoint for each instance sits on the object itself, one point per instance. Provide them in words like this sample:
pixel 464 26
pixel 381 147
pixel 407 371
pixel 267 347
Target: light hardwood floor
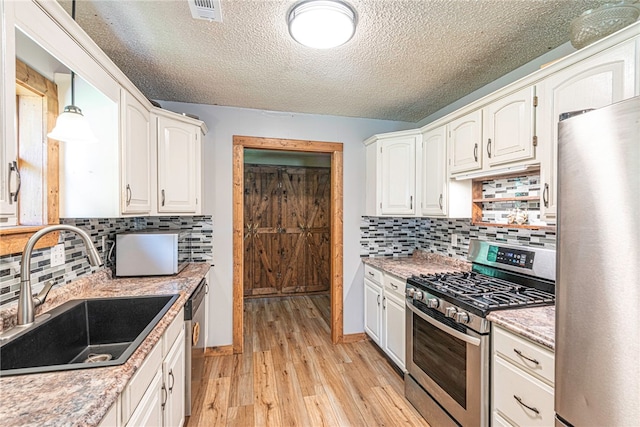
pixel 291 375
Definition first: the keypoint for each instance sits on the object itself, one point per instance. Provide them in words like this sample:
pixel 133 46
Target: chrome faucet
pixel 27 302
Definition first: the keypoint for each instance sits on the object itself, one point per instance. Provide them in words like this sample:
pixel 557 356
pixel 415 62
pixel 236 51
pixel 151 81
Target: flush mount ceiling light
pixel 322 24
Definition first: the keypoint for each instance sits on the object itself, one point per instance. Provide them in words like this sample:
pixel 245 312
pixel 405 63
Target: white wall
pixel 223 123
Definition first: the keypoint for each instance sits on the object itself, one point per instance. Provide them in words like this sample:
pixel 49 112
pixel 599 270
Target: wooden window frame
pixel 13 239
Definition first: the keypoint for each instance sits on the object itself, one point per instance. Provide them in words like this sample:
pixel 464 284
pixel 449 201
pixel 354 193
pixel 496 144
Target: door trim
pixel 335 149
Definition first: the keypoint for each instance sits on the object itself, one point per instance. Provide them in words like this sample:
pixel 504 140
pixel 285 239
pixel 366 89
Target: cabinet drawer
pixel 373 274
pixel 498 421
pixel 524 354
pixel 172 332
pixel 514 390
pixel 394 285
pixel 140 382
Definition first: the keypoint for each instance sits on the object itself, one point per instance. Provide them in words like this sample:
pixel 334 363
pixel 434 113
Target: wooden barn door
pixel 287 230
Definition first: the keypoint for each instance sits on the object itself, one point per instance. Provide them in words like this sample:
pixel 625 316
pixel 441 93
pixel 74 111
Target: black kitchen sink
pixel 86 333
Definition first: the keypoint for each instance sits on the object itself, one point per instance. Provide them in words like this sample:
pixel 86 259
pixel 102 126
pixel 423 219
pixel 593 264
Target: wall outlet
pixel 454 239
pixel 57 255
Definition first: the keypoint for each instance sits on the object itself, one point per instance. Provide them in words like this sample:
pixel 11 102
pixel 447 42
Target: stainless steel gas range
pixel 448 335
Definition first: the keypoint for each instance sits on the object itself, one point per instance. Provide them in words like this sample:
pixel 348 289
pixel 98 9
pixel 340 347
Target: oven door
pixel 451 363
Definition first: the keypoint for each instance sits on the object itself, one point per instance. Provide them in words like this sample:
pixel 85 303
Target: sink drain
pixel 93 358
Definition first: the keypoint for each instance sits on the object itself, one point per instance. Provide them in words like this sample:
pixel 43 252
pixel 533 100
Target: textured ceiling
pixel 407 59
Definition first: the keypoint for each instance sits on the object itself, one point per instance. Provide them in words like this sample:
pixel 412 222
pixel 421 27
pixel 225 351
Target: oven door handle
pixel 444 328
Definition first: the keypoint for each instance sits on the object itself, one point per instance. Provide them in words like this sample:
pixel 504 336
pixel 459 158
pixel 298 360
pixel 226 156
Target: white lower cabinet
pixel 393 328
pixel 174 380
pixel 150 410
pixel 384 313
pixel 111 419
pixel 522 381
pixel 155 395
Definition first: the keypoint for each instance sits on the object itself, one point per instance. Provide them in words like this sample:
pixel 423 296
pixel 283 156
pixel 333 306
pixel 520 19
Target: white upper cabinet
pixel 510 128
pixel 440 195
pixel 465 143
pixel 179 171
pixel 495 137
pixel 135 124
pixel 595 82
pixel 434 162
pixel 398 170
pixel 391 174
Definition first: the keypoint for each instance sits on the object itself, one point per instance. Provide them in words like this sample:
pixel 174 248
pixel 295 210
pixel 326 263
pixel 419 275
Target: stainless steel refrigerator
pixel 597 369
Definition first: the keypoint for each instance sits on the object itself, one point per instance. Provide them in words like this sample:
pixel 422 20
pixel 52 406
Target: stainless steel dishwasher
pixel 195 332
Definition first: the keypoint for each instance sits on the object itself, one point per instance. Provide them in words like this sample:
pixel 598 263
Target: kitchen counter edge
pixel 537 324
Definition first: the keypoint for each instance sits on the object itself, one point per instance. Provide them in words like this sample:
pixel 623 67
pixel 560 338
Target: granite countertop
pixel 83 397
pixel 537 324
pixel 419 263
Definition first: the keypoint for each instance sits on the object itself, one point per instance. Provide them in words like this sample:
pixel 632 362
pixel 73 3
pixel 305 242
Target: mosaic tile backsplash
pixel 401 236
pixel 522 186
pixel 76 264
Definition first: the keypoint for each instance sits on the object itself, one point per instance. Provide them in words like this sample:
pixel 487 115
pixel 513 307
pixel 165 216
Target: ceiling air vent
pixel 206 9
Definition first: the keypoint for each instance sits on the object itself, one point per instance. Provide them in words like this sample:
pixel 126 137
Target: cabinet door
pixel 465 143
pixel 8 145
pixel 434 158
pixel 136 156
pixel 509 122
pixel 149 411
pixel 393 328
pixel 174 378
pixel 596 82
pixel 372 310
pixel 398 176
pixel 178 166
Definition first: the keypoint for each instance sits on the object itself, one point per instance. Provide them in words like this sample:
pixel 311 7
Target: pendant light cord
pixel 73 75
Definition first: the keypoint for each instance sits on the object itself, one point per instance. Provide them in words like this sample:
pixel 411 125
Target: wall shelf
pixel 504 191
pixel 507 199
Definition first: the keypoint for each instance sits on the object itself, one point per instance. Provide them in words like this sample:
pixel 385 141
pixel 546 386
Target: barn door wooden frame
pixel 335 150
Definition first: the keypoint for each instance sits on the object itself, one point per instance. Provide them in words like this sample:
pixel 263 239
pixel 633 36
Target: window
pixel 36 113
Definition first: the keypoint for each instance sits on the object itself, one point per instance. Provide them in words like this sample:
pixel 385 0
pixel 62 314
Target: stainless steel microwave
pixel 152 252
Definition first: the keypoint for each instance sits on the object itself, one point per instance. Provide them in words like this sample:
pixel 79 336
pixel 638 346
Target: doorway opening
pixel 334 233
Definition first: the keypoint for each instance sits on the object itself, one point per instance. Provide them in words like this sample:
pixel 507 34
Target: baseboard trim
pixel 223 350
pixel 349 338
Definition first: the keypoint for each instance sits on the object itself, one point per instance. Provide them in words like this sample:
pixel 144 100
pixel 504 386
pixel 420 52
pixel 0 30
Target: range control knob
pixel 462 317
pixel 410 292
pixel 417 295
pixel 433 303
pixel 450 312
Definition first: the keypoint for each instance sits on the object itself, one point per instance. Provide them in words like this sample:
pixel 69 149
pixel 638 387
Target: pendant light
pixel 322 24
pixel 71 125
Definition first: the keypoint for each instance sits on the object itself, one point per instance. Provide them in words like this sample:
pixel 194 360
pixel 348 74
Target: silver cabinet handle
pixel 371 274
pixel 164 397
pixel 545 196
pixel 489 147
pixel 394 286
pixel 173 380
pixel 13 196
pixel 163 197
pixel 531 408
pixel 128 197
pixel 378 299
pixel 384 306
pixel 519 353
pixel 440 201
pixel 475 153
pixel 410 202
